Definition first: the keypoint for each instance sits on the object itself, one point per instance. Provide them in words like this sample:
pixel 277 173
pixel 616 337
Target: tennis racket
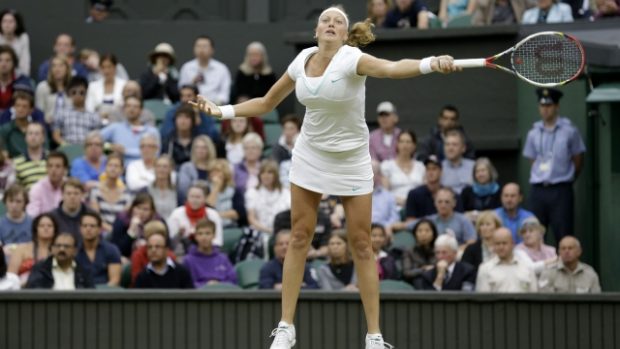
pixel 544 59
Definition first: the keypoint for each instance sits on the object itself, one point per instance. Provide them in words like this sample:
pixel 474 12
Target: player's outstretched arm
pixel 255 106
pixel 404 68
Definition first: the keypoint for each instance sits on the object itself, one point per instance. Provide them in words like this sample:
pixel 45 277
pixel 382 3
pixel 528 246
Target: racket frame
pixel 488 62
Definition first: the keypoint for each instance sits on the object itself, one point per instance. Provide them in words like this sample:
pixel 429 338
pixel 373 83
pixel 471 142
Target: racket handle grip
pixel 470 63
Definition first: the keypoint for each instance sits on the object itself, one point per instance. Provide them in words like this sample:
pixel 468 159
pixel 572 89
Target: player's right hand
pixel 206 106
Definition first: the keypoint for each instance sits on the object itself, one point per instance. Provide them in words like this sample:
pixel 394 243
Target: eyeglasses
pixel 77 92
pixel 148 146
pixel 63 246
pixel 95 144
pixel 90 226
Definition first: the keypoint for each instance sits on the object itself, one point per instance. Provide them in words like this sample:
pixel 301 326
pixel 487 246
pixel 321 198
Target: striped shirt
pixel 28 172
pixel 74 125
pixel 109 210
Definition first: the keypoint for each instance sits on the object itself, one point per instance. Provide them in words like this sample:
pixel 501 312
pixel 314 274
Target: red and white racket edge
pixel 488 62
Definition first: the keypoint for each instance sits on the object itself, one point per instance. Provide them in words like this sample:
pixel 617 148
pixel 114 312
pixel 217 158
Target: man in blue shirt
pixel 125 136
pixel 271 273
pixel 510 213
pixel 205 124
pixel 457 171
pixel 556 150
pixel 100 258
pixel 448 221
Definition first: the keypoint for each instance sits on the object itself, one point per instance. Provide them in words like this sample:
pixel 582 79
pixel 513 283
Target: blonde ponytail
pixel 361 34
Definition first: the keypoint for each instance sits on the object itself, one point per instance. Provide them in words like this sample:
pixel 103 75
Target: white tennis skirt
pixel 347 173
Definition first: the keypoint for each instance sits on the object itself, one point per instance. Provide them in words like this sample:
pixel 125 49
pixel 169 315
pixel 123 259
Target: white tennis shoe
pixel 284 336
pixel 375 341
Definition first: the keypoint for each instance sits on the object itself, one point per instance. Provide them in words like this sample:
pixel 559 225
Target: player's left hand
pixel 444 64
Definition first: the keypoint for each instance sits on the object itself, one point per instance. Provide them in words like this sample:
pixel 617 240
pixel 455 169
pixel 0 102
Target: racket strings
pixel 548 59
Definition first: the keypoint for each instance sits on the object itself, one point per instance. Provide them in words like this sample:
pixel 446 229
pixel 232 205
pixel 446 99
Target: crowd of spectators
pixel 157 197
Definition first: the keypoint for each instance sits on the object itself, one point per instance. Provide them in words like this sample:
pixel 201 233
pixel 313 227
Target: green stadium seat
pixel 273 117
pixel 403 239
pixel 222 286
pixel 231 237
pixel 434 22
pixel 272 133
pixel 126 276
pixel 248 272
pixel 72 151
pixel 460 21
pixel 158 108
pixel 106 287
pixel 395 286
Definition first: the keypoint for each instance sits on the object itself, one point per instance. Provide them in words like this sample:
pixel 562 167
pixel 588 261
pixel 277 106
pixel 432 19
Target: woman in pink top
pixel 533 244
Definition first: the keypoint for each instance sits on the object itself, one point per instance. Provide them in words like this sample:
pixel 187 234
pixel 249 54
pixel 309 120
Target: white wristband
pixel 228 112
pixel 425 65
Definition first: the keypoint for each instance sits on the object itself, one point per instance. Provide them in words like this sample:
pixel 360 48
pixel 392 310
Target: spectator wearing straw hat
pixel 161 79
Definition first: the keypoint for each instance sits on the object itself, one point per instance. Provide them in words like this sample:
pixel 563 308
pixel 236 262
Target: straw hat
pixel 162 49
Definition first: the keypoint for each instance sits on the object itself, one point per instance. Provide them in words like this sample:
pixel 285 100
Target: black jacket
pixel 41 276
pixel 463 278
pixel 152 88
pixel 473 254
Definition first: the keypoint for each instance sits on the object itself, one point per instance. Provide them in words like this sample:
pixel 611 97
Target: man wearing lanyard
pixel 556 150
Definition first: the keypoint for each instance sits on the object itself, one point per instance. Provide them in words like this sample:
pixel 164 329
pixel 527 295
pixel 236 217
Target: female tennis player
pixel 331 154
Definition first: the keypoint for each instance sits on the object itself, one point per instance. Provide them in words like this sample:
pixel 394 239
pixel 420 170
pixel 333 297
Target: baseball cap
pixel 386 107
pixel 432 159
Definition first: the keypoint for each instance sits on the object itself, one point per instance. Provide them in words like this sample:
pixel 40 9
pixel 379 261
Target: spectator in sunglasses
pixel 73 124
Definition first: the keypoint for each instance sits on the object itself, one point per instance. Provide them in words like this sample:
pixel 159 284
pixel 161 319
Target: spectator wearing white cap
pixel 384 139
pixel 161 79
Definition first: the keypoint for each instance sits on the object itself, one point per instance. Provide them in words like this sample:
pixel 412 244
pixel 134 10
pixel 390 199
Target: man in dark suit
pixel 448 274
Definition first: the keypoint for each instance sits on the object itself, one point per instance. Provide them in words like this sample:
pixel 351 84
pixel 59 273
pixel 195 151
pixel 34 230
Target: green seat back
pixel 403 239
pixel 72 151
pixel 395 286
pixel 231 237
pixel 248 272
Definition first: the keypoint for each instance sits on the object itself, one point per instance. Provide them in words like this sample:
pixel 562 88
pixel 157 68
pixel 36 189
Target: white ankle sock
pixel 284 324
pixel 374 335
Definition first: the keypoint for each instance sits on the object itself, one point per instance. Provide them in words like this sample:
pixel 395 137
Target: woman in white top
pixel 13 33
pixel 141 173
pixel 51 94
pixel 239 127
pixel 403 173
pixel 266 200
pixel 106 93
pixel 331 154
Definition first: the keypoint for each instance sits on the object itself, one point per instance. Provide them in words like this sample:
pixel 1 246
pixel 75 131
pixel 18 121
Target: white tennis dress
pixel 331 155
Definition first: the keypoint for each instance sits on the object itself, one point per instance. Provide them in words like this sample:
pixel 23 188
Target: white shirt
pixel 267 204
pixel 21 46
pixel 335 103
pixel 178 220
pixel 64 280
pixel 10 282
pixel 215 83
pixel 513 277
pixel 95 94
pixel 234 153
pixel 400 182
pixel 138 176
